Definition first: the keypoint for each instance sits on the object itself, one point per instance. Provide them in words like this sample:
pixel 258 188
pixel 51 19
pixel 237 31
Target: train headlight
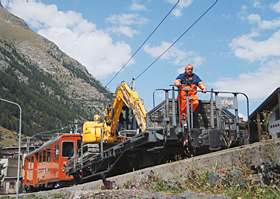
pixel 63 169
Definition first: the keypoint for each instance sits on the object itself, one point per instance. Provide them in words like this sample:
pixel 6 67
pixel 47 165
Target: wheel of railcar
pixel 76 180
pixel 25 189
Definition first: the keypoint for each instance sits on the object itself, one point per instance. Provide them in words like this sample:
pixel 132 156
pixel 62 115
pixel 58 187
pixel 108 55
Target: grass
pixel 57 196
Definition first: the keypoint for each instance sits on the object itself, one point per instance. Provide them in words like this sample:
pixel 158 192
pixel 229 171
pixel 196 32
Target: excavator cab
pixel 127 125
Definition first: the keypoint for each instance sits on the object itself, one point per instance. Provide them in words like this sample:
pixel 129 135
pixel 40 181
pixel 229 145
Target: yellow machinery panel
pixel 91 132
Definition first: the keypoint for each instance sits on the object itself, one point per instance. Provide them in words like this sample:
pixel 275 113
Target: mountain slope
pixel 45 81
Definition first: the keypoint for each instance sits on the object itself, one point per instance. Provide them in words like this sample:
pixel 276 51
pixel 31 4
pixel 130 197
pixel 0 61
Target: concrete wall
pixel 12 168
pixel 252 154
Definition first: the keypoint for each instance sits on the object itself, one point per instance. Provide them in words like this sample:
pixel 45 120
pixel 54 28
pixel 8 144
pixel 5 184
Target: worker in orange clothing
pixel 188 81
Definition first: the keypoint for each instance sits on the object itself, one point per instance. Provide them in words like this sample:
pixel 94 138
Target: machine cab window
pixel 126 120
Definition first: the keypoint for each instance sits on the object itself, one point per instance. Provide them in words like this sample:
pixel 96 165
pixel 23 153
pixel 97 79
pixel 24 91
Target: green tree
pixel 2 167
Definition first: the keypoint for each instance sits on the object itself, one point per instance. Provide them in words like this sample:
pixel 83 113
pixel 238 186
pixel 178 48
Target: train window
pixel 67 149
pixel 56 151
pixel 277 114
pixel 48 154
pixel 32 162
pixel 40 158
pixel 28 167
pixel 44 157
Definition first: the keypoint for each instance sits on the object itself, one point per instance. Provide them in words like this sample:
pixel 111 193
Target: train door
pixel 35 168
pixel 67 151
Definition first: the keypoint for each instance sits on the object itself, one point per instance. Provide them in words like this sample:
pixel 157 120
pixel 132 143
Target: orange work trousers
pixel 192 100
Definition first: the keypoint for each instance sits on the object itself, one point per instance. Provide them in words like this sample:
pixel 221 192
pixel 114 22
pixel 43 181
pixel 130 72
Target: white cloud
pixel 241 115
pixel 95 50
pixel 257 84
pixel 76 36
pixel 178 57
pixel 127 19
pixel 136 7
pixel 124 21
pixel 177 12
pixel 276 6
pixel 242 13
pixel 39 15
pixel 125 30
pixel 226 16
pixel 264 24
pixel 246 48
pixel 265 53
pixel 256 3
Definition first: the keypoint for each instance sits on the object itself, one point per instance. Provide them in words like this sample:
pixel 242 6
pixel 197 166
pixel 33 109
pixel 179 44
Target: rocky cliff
pixel 72 77
pixel 51 87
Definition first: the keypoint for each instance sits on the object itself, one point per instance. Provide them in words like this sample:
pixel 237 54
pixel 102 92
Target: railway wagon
pixel 214 125
pixel 45 166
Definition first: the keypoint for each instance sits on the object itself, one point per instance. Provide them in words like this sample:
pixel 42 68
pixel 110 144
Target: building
pixel 9 156
pixel 272 105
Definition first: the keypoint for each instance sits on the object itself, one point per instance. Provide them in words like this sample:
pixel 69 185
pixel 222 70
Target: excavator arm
pixel 124 97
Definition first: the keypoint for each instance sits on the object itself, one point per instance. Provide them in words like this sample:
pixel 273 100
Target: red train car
pixel 44 167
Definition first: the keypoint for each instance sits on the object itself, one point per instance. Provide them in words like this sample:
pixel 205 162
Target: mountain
pixel 52 88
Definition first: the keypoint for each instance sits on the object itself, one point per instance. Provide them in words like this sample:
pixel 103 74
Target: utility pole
pixel 19 140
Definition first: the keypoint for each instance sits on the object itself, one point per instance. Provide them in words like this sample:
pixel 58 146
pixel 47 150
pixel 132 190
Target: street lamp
pixel 19 140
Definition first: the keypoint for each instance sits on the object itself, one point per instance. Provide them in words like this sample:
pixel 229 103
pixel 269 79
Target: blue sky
pixel 235 46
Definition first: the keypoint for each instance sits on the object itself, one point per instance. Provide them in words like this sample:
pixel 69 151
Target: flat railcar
pixel 45 166
pixel 214 125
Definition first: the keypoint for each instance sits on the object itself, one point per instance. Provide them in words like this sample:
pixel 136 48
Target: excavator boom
pixel 127 112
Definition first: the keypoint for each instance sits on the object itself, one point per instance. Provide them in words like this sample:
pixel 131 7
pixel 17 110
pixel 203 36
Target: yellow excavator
pixel 124 118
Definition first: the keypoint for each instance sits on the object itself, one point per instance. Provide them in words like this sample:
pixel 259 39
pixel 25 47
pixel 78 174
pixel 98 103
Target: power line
pixel 142 44
pixel 176 40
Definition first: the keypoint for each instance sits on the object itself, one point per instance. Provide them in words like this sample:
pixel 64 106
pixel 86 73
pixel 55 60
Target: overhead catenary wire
pixel 142 44
pixel 176 40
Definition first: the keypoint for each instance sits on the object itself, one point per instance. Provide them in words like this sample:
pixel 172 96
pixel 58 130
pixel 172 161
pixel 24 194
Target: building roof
pixel 13 177
pixel 268 104
pixel 16 147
